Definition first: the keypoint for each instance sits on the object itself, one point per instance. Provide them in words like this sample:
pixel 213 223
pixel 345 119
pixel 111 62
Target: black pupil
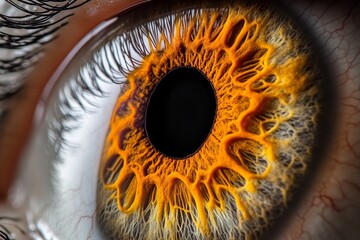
pixel 181 112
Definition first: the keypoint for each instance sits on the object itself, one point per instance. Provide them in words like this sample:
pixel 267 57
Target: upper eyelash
pixel 72 99
pixel 23 36
pixel 39 28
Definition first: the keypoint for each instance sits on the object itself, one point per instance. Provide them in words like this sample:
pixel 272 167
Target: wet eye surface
pixel 256 149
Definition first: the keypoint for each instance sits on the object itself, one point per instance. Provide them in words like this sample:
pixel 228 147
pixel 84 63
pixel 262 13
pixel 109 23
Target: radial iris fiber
pixel 266 84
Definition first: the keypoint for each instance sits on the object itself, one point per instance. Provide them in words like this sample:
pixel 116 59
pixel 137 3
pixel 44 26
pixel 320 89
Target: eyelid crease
pixel 15 135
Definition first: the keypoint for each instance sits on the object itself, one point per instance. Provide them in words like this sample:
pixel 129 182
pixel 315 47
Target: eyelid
pixel 14 136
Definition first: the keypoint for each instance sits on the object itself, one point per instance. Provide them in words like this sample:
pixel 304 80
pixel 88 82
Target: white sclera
pixel 57 189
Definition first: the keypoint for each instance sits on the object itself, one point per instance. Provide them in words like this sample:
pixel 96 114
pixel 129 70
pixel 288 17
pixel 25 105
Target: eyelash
pixel 9 222
pixel 39 26
pixel 24 36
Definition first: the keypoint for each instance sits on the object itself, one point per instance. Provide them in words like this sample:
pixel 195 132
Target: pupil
pixel 180 112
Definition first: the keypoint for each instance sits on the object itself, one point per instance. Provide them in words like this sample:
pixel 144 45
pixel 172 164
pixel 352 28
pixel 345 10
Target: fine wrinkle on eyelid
pixel 344 73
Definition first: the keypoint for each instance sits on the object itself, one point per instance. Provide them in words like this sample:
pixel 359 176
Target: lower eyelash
pixel 76 98
pixel 8 225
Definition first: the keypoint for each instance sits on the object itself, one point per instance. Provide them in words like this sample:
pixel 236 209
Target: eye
pixel 65 177
pixel 150 174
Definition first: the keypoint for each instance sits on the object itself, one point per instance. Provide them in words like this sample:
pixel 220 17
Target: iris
pixel 244 138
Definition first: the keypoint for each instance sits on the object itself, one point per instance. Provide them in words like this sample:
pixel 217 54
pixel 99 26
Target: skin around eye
pixel 334 196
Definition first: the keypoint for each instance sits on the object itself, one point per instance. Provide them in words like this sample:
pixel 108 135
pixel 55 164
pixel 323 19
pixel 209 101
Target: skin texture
pixel 329 209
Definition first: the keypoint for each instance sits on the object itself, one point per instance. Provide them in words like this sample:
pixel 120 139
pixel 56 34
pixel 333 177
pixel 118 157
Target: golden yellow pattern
pixel 254 153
